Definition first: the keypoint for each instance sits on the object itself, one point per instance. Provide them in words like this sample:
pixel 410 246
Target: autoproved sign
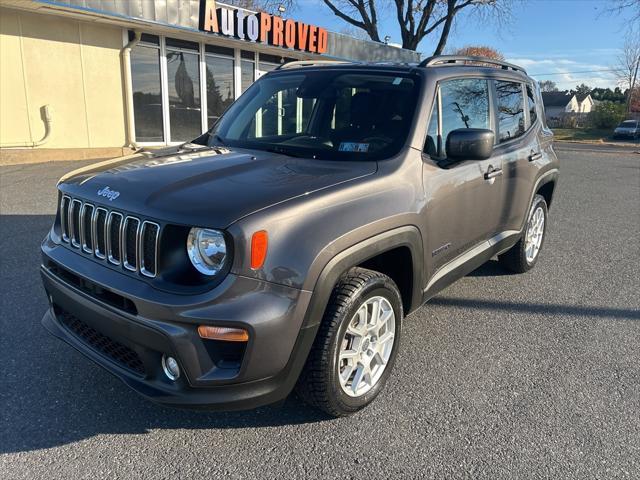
pixel 261 27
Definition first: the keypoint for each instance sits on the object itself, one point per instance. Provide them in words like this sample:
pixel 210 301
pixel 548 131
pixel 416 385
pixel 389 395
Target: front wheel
pixel 356 345
pixel 523 255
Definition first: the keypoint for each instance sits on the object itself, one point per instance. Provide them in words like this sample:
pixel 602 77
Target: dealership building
pixel 94 78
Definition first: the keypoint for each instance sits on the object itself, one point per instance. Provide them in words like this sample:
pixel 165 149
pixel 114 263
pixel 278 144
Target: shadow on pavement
pixel 538 308
pixel 490 269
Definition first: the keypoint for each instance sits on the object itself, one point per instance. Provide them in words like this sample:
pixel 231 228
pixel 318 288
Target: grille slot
pixel 131 232
pixel 100 233
pixel 74 222
pixel 64 217
pixel 116 351
pixel 86 230
pixel 120 239
pixel 149 248
pixel 114 234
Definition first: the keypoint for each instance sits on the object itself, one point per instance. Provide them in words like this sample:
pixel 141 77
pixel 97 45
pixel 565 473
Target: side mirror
pixel 469 144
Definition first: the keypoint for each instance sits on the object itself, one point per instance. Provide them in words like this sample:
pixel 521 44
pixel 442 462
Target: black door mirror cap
pixel 469 144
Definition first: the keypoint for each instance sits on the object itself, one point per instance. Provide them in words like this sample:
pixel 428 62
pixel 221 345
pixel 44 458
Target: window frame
pixel 157 47
pixel 203 82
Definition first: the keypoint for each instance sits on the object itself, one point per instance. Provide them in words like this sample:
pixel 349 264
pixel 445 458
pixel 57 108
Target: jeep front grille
pixel 113 236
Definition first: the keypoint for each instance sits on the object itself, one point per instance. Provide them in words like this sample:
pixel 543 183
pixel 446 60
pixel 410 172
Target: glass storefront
pixel 247 70
pixel 181 88
pixel 147 95
pixel 183 81
pixel 220 84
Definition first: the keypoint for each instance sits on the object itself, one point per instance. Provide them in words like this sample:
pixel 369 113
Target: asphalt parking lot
pixel 500 376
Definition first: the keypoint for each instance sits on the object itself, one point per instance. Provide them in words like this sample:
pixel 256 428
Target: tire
pixel 320 385
pixel 516 258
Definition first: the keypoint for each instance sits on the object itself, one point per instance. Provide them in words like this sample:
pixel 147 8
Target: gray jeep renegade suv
pixel 286 246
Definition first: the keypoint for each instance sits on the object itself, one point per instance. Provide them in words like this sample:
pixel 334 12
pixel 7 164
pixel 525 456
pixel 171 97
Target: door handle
pixel 535 156
pixel 492 173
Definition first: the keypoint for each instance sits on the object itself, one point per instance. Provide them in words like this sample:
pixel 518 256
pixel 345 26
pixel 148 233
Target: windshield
pixel 328 114
pixel 629 124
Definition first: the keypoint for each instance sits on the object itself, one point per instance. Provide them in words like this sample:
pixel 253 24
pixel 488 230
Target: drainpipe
pixel 46 118
pixel 128 89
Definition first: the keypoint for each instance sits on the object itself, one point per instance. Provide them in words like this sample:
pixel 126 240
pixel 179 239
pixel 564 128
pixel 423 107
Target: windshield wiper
pixel 216 138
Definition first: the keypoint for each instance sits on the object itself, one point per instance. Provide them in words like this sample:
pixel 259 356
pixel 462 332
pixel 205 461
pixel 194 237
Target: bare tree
pixel 416 18
pixel 628 63
pixel 624 6
pixel 548 86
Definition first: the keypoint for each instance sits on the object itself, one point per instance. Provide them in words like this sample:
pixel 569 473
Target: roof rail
pixel 309 63
pixel 458 59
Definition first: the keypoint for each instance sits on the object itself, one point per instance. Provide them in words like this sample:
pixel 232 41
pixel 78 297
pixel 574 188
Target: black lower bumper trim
pixel 241 396
pixel 104 344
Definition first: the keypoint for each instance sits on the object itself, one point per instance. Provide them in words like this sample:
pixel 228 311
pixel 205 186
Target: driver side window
pixel 463 103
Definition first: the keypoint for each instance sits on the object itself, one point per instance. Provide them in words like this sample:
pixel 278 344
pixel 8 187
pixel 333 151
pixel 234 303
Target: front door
pixel 463 198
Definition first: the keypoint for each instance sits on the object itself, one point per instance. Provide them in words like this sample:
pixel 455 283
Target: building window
pixel 183 81
pixel 147 95
pixel 247 70
pixel 220 84
pixel 220 91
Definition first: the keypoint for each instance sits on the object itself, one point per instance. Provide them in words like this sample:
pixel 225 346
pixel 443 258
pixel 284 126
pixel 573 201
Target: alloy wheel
pixel 366 346
pixel 535 232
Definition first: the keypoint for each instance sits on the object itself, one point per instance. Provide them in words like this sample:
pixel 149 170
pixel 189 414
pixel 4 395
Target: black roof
pixel 556 99
pixel 455 69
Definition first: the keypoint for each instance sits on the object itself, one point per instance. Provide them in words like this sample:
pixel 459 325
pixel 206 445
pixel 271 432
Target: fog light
pixel 170 367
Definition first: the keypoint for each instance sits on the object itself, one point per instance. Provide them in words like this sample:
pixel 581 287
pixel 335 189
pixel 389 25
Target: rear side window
pixel 532 105
pixel 510 110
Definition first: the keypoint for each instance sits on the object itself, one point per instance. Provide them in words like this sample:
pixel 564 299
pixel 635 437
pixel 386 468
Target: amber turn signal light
pixel 259 246
pixel 223 333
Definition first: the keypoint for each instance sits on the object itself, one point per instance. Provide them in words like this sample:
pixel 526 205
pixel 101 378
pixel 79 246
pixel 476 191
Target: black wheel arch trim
pixel 547 177
pixel 406 236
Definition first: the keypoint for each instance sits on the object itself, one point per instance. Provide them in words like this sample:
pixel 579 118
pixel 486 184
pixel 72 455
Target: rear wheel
pixel 524 254
pixel 356 345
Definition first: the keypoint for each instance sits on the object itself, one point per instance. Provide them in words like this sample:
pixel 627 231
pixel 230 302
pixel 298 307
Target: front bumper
pixel 129 338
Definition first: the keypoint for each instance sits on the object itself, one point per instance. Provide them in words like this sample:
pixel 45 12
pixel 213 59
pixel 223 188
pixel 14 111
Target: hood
pixel 202 186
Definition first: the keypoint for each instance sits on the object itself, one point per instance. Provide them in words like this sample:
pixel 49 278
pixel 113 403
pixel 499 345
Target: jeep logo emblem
pixel 108 193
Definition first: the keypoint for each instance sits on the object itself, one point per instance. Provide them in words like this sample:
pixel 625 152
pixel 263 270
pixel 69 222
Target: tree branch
pixel 447 27
pixel 344 16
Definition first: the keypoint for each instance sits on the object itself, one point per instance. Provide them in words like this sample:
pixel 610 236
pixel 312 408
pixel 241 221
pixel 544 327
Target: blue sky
pixel 544 36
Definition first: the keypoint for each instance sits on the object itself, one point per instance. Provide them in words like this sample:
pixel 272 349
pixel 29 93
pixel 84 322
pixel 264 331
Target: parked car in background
pixel 628 129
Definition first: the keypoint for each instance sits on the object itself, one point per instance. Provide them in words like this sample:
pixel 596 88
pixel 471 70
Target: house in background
pixel 558 105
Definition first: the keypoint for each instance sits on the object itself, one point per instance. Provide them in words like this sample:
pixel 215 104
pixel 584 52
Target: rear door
pixel 463 200
pixel 517 151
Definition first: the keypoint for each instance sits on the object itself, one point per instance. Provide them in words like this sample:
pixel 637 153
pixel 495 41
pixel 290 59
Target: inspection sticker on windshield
pixel 354 147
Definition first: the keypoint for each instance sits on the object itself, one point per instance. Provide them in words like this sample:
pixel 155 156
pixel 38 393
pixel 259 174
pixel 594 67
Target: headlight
pixel 207 250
